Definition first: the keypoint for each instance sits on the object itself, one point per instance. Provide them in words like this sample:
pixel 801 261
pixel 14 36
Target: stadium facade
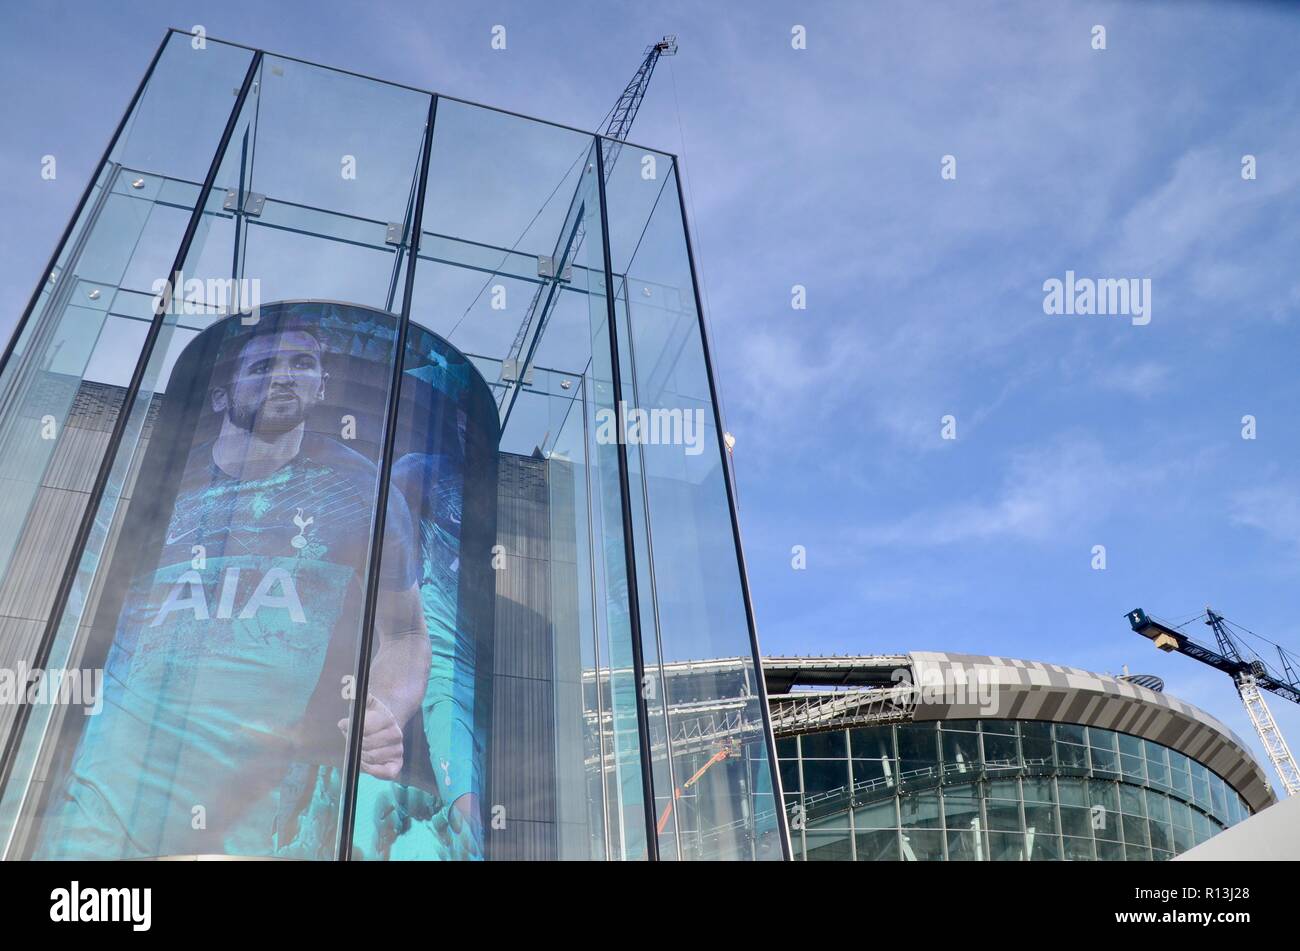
pixel 361 481
pixel 929 757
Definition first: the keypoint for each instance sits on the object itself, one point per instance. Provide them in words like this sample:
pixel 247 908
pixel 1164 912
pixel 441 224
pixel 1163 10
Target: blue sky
pixel 821 167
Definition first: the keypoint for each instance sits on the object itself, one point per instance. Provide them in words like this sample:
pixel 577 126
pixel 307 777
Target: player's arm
pixel 398 674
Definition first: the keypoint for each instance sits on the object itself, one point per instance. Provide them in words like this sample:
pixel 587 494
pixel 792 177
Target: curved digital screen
pixel 229 627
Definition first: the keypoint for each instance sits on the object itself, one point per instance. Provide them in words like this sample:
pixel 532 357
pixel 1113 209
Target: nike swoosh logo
pixel 173 539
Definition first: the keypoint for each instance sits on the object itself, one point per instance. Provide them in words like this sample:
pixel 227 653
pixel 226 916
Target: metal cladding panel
pixel 523 736
pixel 970 686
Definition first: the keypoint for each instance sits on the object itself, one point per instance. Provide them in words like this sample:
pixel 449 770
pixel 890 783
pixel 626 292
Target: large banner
pixel 230 621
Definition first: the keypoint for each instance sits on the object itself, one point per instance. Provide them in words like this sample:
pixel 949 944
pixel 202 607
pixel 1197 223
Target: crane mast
pixel 1261 716
pixel 514 369
pixel 1250 677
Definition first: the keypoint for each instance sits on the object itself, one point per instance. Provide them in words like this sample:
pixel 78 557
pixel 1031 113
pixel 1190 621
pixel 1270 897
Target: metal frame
pixel 122 426
pixel 735 524
pixel 347 810
pixel 96 495
pixel 427 92
pixel 654 585
pixel 81 205
pixel 625 502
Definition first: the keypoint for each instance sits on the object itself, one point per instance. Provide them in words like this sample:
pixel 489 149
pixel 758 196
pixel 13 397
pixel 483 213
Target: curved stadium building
pixel 933 756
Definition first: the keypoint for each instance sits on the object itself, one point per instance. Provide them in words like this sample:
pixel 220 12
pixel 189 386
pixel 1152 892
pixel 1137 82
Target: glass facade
pixel 362 442
pixel 996 790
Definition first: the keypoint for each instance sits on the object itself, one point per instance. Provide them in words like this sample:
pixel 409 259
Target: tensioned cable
pixel 1244 630
pixel 506 257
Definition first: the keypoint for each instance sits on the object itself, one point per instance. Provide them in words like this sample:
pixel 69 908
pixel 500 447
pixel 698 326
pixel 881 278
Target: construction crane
pixel 1248 672
pixel 555 267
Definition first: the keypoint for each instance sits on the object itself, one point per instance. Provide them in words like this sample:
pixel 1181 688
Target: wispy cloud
pixel 1272 508
pixel 1046 492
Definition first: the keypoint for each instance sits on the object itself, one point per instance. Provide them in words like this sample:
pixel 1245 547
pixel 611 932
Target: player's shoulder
pixel 328 451
pixel 345 461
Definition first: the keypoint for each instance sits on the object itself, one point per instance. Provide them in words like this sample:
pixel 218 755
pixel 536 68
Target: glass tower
pixel 364 494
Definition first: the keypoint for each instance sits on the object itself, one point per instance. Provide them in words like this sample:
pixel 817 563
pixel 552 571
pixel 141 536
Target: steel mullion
pixel 654 586
pixel 97 490
pixel 81 204
pixel 625 500
pixel 735 527
pixel 352 770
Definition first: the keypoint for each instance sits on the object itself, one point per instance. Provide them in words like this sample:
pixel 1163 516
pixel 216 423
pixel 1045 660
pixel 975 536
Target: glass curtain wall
pixel 998 790
pixel 395 525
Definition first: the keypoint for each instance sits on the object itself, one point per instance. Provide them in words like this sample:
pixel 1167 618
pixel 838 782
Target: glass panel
pixel 872 775
pixel 831 745
pixel 225 580
pixel 1104 798
pixel 1219 797
pixel 1131 800
pixel 922 824
pixel 62 389
pixel 1201 785
pixel 1041 834
pixel 874 765
pixel 829 845
pixel 790 776
pixel 504 193
pixel 876 828
pixel 1136 852
pixel 1202 827
pixel 1077 850
pixel 1102 748
pixel 1073 792
pixel 1071 748
pixel 1000 727
pixel 825 778
pixel 961 752
pixel 1036 743
pixel 1157 764
pixel 1003 806
pixel 961 810
pixel 918 753
pixel 232 602
pixel 1161 833
pixel 688 558
pixel 1001 751
pixel 1070 733
pixel 1076 822
pixel 429 753
pixel 612 587
pixel 875 742
pixel 102 824
pixel 878 845
pixel 1038 790
pixel 1007 846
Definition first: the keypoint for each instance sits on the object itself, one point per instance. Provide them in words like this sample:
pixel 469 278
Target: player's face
pixel 278 380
